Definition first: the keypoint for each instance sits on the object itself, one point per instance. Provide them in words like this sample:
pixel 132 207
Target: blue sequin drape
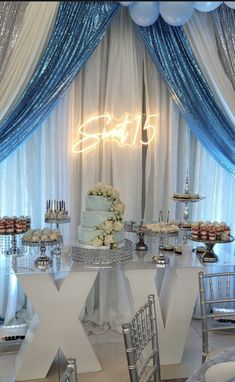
pixel 174 59
pixel 78 29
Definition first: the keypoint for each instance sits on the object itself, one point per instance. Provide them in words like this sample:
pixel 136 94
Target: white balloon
pixel 230 4
pixel 206 6
pixel 176 13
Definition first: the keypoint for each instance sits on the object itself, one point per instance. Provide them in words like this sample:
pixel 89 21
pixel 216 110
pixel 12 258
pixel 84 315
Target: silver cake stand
pixel 42 262
pixel 161 259
pixel 102 257
pixel 13 248
pixel 139 229
pixel 209 255
pixel 56 251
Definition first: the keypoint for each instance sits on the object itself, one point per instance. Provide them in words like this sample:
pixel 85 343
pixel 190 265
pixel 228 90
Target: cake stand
pixel 56 251
pixel 139 229
pixel 161 259
pixel 186 198
pixel 14 250
pixel 57 222
pixel 42 262
pixel 102 257
pixel 209 255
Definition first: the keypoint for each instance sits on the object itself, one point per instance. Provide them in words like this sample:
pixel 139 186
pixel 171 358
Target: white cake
pixel 101 223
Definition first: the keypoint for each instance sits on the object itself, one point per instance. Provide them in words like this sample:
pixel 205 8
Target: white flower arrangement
pixel 118 226
pixel 97 242
pixel 112 225
pixel 107 226
pixel 109 239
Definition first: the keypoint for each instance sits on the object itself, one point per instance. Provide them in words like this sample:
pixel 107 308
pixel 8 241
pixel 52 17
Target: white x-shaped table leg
pixel 174 305
pixel 56 324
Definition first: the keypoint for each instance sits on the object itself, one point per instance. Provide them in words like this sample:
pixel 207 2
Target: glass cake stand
pixel 57 222
pixel 139 229
pixel 102 257
pixel 13 249
pixel 161 259
pixel 42 262
pixel 56 251
pixel 209 255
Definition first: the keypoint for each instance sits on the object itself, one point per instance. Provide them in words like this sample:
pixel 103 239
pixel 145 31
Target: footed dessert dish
pixel 102 221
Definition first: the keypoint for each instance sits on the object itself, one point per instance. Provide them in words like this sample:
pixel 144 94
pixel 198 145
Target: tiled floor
pixel 110 351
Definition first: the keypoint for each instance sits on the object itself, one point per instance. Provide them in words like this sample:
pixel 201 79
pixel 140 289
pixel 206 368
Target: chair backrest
pixel 141 344
pixel 217 301
pixel 70 374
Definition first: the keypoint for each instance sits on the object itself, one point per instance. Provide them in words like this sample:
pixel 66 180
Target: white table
pixel 59 295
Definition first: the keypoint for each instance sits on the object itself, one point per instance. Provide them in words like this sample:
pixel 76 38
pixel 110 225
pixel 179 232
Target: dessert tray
pixel 192 198
pixel 209 255
pixel 102 257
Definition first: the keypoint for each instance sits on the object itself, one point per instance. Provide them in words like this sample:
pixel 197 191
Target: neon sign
pixel 125 131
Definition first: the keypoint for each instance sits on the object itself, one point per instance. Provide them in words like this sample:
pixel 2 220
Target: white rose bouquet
pixel 107 226
pixel 118 226
pixel 108 240
pixel 97 242
pixel 118 207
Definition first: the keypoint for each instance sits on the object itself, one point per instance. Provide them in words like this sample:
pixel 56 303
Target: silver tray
pixel 57 221
pixel 187 200
pixel 102 257
pixel 41 243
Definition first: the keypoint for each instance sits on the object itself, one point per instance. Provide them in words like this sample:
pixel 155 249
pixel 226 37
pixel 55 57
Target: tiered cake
pixel 102 222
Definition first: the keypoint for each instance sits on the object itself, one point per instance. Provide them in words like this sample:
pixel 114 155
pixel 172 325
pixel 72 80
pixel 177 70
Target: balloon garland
pixel 176 13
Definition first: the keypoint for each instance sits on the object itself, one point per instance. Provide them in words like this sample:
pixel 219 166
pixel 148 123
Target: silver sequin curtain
pixel 224 25
pixel 11 17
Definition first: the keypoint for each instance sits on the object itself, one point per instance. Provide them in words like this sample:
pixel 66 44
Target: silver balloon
pixel 230 4
pixel 206 6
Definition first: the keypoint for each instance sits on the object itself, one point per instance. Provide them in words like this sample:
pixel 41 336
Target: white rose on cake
pixel 118 207
pixel 118 226
pixel 97 242
pixel 115 194
pixel 107 226
pixel 108 240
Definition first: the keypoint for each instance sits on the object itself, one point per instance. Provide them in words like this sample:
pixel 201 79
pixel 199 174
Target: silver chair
pixel 70 374
pixel 217 301
pixel 141 344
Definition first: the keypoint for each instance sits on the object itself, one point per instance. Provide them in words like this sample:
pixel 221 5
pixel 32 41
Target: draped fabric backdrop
pixel 119 77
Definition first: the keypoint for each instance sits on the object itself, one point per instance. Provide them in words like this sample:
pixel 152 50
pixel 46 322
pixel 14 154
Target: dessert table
pixel 59 295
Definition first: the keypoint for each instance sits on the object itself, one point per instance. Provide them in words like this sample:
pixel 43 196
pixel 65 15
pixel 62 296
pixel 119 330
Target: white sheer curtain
pixel 35 30
pixel 200 32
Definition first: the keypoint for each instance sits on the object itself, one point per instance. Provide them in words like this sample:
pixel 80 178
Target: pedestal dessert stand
pixel 209 255
pixel 42 262
pixel 57 222
pixel 56 250
pixel 139 229
pixel 186 198
pixel 13 249
pixel 161 259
